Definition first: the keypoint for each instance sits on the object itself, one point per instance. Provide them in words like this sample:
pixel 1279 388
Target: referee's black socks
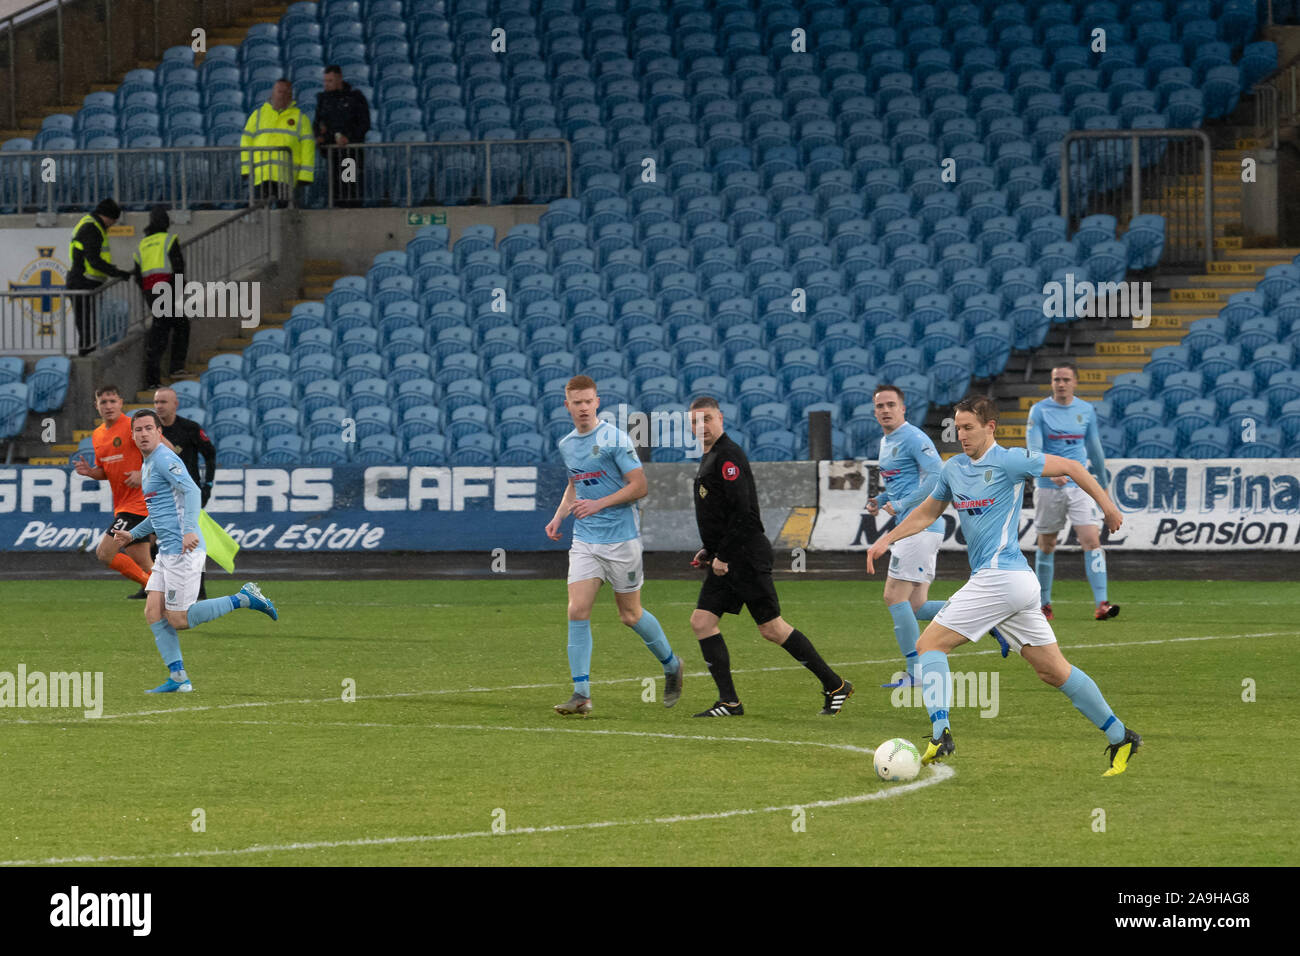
pixel 719 662
pixel 801 649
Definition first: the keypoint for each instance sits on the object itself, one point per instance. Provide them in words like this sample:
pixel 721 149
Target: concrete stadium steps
pixel 317 274
pixel 1119 350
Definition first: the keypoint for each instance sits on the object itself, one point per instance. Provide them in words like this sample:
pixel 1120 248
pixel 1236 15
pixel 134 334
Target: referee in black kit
pixel 188 440
pixel 739 560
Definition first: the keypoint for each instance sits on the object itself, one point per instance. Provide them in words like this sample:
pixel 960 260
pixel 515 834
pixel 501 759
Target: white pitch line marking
pixel 707 738
pixel 939 774
pixel 619 680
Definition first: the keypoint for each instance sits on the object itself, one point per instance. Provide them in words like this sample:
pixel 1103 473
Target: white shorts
pixel 178 577
pixel 619 564
pixel 912 559
pixel 1007 600
pixel 1051 505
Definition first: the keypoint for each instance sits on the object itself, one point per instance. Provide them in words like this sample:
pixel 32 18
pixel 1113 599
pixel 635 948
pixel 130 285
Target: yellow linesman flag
pixel 221 546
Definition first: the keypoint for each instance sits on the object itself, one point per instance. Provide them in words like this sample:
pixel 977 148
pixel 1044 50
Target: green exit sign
pixel 431 219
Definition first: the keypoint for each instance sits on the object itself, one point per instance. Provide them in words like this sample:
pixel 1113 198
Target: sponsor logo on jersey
pixel 975 506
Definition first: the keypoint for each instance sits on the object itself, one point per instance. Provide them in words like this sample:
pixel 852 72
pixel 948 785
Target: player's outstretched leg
pixel 1051 665
pixel 936 688
pixel 168 643
pixel 249 597
pixel 580 667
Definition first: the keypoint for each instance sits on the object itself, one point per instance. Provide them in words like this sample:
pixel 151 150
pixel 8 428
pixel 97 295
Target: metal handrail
pixel 1136 169
pixel 217 254
pixel 185 193
pixel 177 171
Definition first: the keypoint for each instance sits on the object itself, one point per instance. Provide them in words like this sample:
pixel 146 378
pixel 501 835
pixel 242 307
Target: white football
pixel 897 759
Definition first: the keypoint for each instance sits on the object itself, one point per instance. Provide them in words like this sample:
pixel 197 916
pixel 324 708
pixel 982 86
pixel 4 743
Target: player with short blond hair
pixel 606 480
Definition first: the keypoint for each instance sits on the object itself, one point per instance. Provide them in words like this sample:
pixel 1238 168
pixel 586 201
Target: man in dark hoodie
pixel 342 117
pixel 158 260
pixel 92 264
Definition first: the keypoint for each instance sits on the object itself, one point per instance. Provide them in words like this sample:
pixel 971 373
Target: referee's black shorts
pixel 742 585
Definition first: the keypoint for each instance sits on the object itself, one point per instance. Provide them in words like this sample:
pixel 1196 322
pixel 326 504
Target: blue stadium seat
pixel 48 384
pixel 13 409
pixel 1209 441
pixel 428 449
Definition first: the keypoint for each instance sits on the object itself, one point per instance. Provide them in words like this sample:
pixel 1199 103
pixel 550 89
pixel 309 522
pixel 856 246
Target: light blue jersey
pixel 909 466
pixel 598 464
pixel 1069 431
pixel 988 495
pixel 173 500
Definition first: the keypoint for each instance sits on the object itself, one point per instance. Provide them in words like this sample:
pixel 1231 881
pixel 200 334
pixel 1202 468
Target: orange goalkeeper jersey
pixel 116 453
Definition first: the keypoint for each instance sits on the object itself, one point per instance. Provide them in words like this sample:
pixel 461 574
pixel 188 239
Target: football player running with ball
pixel 986 486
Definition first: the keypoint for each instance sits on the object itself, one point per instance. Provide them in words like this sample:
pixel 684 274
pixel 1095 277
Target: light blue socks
pixel 1045 568
pixel 580 656
pixel 929 609
pixel 169 645
pixel 1087 699
pixel 650 631
pixel 1094 562
pixel 907 632
pixel 936 689
pixel 213 608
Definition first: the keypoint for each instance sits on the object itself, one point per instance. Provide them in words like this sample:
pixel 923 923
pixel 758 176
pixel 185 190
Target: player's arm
pixel 1056 466
pixel 634 490
pixel 139 532
pixel 928 464
pixel 1096 455
pixel 90 471
pixel 924 515
pixel 178 476
pixel 562 512
pixel 1034 432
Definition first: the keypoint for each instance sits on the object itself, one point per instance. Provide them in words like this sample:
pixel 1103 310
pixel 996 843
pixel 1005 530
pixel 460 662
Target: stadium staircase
pixel 1103 354
pixel 232 33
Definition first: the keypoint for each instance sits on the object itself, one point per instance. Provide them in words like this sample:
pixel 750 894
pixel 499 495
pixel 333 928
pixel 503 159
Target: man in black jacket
pixel 188 440
pixel 159 260
pixel 342 118
pixel 739 561
pixel 92 265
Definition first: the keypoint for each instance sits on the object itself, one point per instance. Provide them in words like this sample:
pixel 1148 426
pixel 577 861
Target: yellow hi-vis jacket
pixel 268 128
pixel 105 253
pixel 152 259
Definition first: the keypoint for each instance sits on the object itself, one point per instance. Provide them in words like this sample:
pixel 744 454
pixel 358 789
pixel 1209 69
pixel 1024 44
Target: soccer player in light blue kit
pixel 986 486
pixel 1067 426
pixel 172 498
pixel 606 479
pixel 909 466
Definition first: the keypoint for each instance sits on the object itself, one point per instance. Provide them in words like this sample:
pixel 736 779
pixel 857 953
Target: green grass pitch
pixel 451 736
